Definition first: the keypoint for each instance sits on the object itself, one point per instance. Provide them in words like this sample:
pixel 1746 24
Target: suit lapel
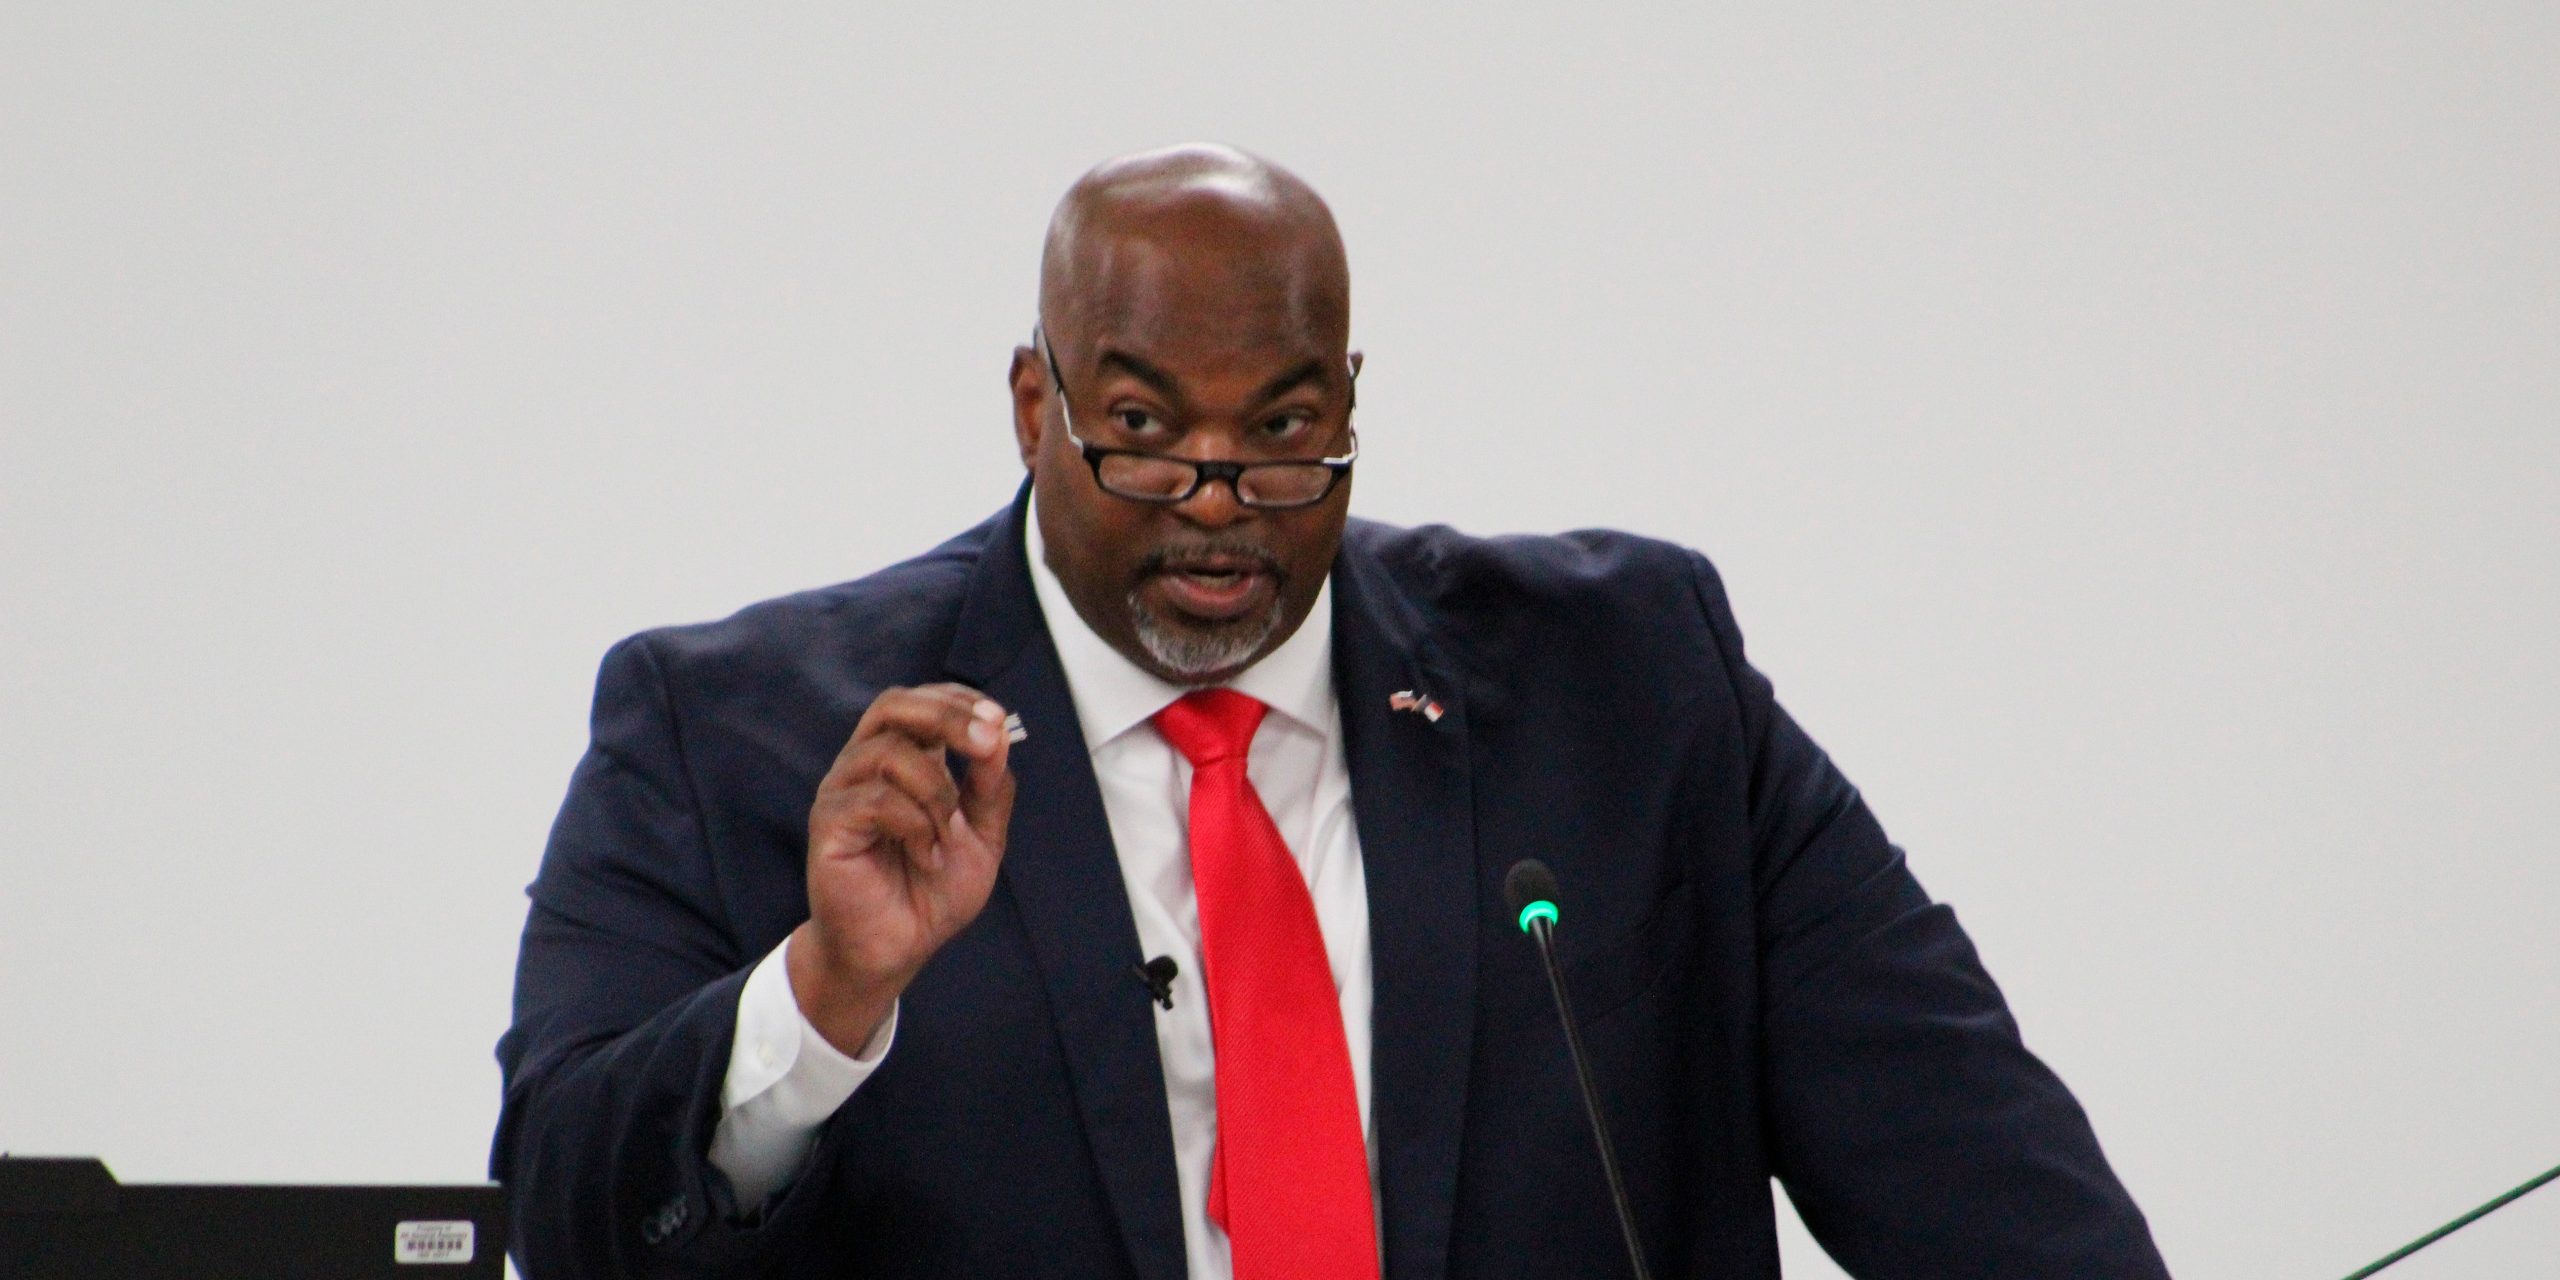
pixel 1413 802
pixel 1063 878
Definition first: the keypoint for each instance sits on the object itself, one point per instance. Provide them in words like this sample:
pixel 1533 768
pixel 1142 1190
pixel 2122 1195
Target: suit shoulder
pixel 1445 571
pixel 881 628
pixel 1581 621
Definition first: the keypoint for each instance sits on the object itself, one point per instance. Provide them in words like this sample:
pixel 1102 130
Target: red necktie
pixel 1290 1180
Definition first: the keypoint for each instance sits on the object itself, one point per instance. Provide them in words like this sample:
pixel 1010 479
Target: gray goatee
pixel 1196 653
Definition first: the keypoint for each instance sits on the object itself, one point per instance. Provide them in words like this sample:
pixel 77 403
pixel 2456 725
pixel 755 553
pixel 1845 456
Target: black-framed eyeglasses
pixel 1159 478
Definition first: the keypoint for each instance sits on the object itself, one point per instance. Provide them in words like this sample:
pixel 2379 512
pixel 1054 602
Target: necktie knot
pixel 1210 725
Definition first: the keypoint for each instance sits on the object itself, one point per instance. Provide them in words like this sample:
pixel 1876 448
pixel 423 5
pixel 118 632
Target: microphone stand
pixel 2458 1223
pixel 1538 919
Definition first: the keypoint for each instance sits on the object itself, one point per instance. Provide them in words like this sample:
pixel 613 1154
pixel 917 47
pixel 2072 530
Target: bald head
pixel 1196 309
pixel 1246 236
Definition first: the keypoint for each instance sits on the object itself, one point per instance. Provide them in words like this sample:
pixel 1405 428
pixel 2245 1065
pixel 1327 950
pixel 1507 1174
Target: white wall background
pixel 2128 431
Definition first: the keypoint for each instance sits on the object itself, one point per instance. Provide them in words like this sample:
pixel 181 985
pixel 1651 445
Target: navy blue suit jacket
pixel 1764 988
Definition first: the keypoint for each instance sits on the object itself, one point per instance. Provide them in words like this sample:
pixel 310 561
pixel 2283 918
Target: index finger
pixel 949 716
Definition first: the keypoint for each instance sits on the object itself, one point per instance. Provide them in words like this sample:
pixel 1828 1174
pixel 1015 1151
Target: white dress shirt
pixel 784 1078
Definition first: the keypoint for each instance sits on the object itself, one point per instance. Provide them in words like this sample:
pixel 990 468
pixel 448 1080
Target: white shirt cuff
pixel 784 1081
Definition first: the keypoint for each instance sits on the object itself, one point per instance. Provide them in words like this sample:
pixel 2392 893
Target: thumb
pixel 986 796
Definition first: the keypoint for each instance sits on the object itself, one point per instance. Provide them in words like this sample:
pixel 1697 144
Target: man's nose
pixel 1215 504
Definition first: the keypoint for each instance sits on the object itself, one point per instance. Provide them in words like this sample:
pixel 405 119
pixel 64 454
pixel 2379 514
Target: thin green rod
pixel 2458 1223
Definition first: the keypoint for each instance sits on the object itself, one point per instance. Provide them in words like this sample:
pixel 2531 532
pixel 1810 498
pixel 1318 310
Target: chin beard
pixel 1194 652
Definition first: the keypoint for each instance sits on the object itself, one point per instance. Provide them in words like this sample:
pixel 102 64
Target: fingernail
pixel 982 734
pixel 986 710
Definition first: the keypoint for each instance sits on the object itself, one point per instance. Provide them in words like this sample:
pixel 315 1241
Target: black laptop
pixel 69 1219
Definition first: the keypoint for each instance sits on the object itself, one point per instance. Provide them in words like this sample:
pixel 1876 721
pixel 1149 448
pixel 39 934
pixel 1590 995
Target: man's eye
pixel 1136 422
pixel 1287 424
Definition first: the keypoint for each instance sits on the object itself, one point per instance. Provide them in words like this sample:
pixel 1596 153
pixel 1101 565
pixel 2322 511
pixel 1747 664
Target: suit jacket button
pixel 655 1228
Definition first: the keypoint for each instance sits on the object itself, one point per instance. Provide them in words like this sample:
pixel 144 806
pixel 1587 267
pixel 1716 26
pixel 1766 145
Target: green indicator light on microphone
pixel 1539 910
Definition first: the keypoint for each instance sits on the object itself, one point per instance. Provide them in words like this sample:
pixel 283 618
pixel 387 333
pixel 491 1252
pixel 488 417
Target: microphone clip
pixel 1158 974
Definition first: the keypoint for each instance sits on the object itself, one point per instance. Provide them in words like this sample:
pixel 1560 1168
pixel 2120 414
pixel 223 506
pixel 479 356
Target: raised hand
pixel 902 855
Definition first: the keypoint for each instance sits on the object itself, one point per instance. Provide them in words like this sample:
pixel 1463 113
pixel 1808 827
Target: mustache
pixel 1213 551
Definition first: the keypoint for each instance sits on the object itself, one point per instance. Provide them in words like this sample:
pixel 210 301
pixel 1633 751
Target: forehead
pixel 1203 303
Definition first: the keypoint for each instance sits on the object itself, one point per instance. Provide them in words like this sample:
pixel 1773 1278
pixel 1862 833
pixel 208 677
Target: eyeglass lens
pixel 1278 484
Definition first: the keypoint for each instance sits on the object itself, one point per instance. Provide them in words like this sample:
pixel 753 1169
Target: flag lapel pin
pixel 1410 700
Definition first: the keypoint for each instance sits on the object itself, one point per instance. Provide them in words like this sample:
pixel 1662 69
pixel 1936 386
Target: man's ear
pixel 1030 402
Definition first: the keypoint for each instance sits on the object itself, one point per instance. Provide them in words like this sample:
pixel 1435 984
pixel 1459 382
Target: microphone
pixel 1158 974
pixel 1531 889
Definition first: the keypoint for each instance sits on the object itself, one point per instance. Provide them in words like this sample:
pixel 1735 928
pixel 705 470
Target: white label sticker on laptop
pixel 431 1242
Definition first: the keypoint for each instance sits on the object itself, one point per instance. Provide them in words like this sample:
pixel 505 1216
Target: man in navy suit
pixel 827 973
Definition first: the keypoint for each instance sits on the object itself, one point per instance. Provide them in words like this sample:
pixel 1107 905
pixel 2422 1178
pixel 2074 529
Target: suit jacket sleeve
pixel 1915 1133
pixel 626 1000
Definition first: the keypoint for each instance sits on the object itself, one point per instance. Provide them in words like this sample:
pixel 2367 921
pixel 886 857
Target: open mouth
pixel 1216 588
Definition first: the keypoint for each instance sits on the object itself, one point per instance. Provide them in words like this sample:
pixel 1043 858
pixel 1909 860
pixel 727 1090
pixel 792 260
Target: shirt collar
pixel 1114 695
